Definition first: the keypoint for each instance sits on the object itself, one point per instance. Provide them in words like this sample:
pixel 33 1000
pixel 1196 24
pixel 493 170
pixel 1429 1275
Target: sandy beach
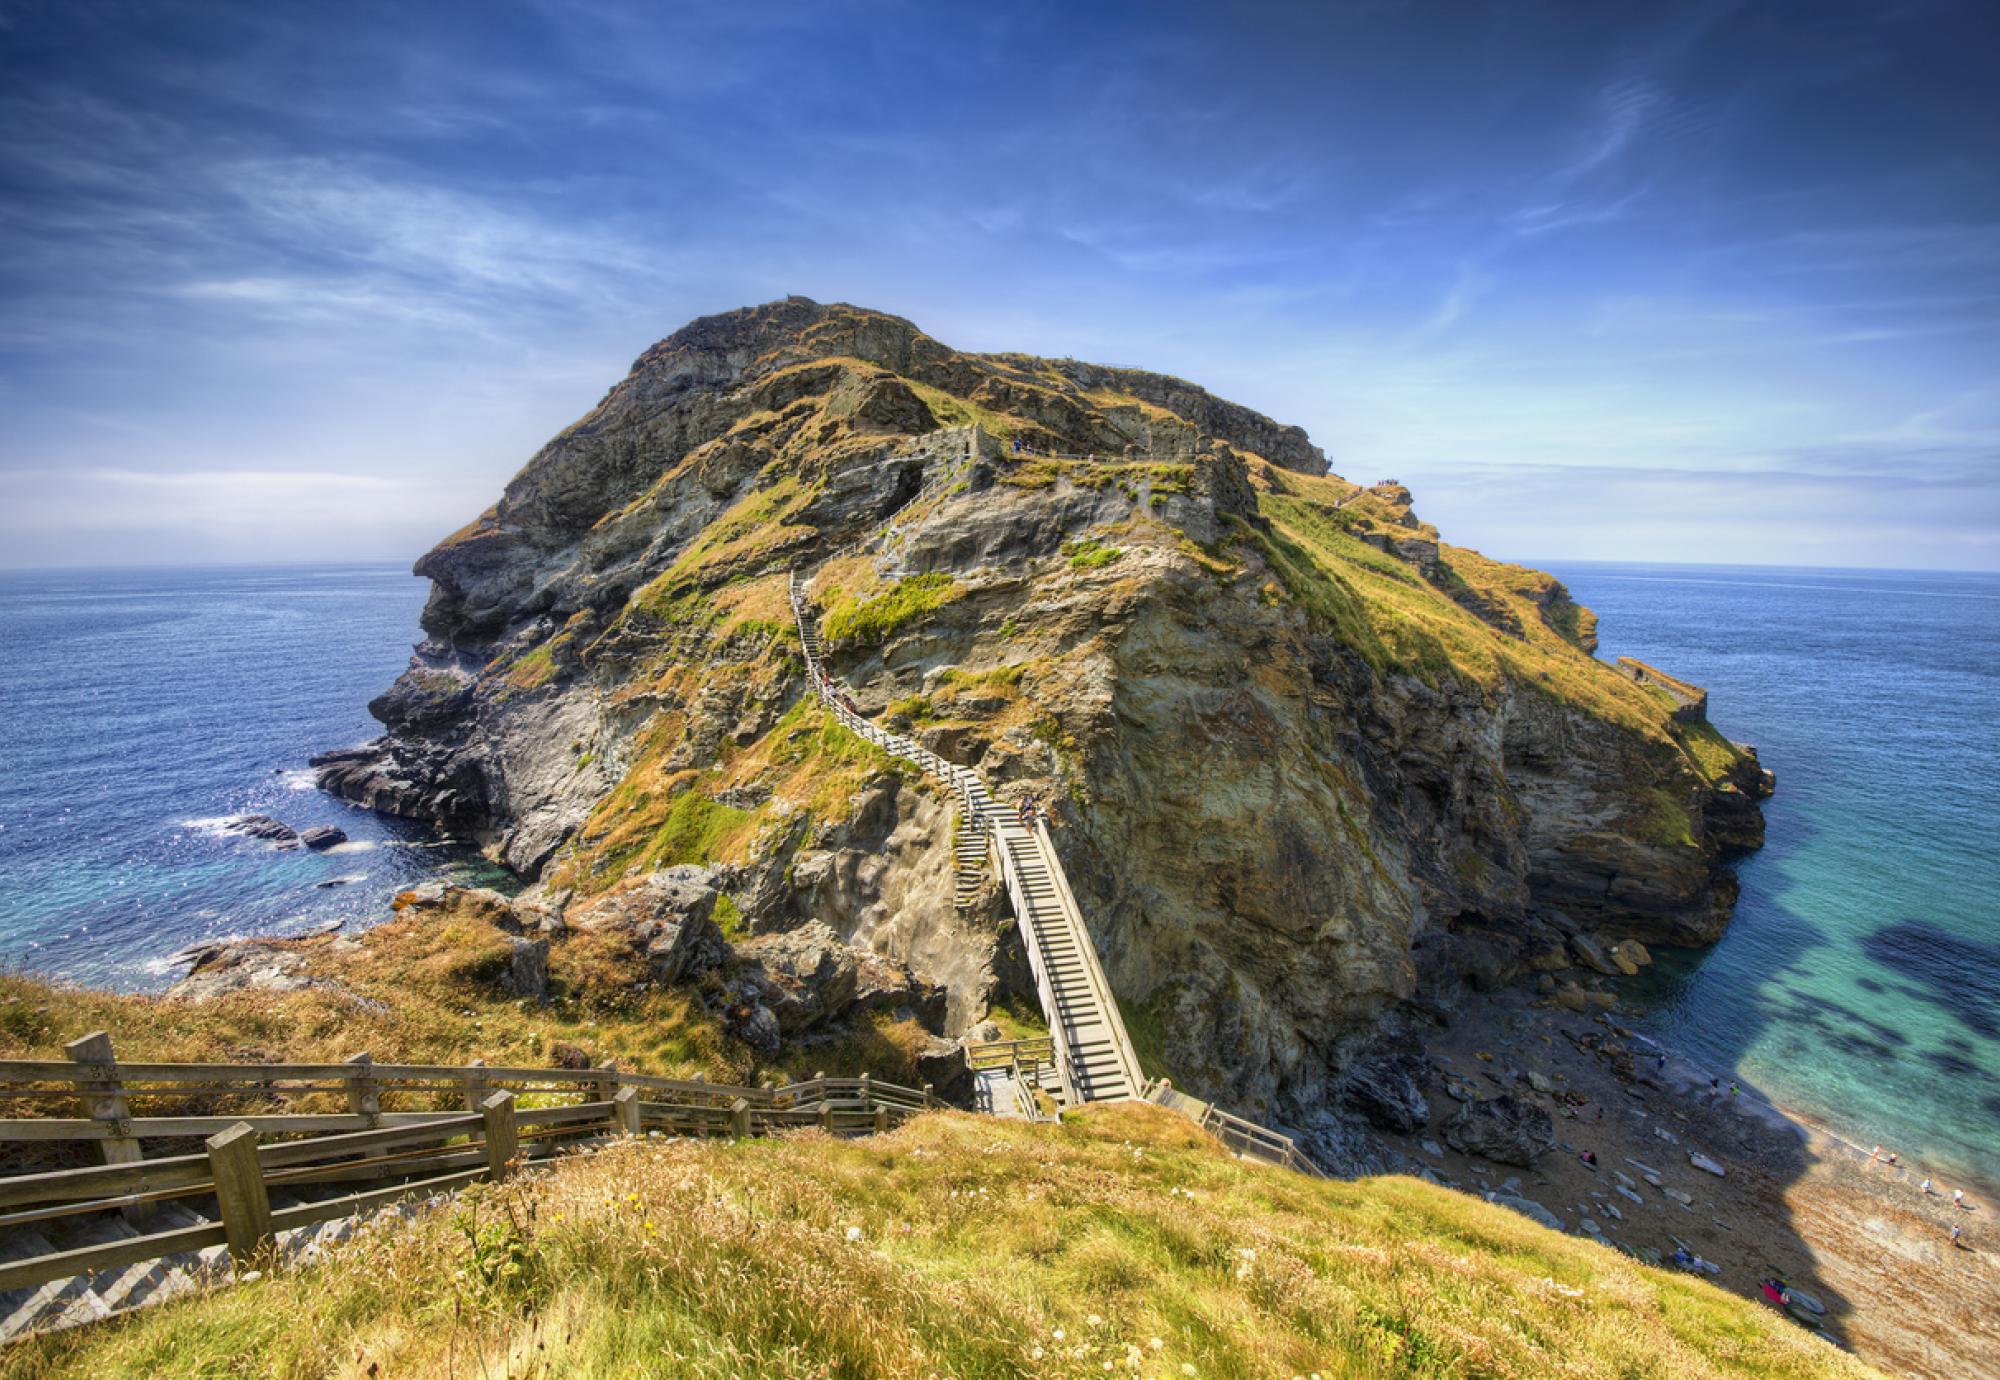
pixel 1793 1200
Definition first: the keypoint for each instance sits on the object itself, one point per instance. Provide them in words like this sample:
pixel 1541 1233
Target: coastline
pixel 1797 1198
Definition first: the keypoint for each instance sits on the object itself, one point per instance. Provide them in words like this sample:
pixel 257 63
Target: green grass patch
pixel 872 621
pixel 1090 554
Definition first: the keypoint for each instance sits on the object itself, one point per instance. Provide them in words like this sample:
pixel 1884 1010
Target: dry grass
pixel 420 988
pixel 1121 1242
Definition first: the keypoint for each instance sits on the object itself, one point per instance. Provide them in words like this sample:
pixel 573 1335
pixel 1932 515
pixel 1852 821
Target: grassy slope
pixel 957 1246
pixel 1382 606
pixel 426 988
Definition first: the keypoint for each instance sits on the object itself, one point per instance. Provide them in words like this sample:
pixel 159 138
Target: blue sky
pixel 1687 281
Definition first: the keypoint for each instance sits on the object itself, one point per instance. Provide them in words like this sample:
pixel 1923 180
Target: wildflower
pixel 854 1233
pixel 1187 1368
pixel 1094 1320
pixel 1058 1334
pixel 1036 1354
pixel 1155 1343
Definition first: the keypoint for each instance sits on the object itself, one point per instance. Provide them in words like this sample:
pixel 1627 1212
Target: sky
pixel 1694 281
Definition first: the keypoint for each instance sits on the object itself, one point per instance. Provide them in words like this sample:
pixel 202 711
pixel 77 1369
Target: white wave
pixel 353 846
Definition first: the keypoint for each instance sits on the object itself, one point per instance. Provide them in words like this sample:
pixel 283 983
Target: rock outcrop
pixel 1308 763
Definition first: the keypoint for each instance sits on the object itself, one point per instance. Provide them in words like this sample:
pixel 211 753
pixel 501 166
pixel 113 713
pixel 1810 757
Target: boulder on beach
pixel 1504 1129
pixel 1388 1090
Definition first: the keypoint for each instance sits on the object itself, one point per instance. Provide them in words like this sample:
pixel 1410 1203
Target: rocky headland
pixel 1314 771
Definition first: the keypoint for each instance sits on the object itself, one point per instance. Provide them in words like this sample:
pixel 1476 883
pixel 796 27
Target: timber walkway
pixel 1093 1056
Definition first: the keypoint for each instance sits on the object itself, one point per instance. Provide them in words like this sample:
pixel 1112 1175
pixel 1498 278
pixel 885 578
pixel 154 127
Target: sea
pixel 142 709
pixel 1859 983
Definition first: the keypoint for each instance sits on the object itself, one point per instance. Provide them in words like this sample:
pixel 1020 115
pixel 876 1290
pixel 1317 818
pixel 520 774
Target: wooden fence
pixel 423 1151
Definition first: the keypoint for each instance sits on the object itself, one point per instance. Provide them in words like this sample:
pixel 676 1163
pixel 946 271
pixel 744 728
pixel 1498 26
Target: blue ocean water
pixel 140 707
pixel 1859 982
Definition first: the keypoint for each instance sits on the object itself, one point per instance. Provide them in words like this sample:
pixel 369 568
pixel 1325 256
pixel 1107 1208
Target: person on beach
pixel 1925 1188
pixel 1958 1198
pixel 1956 1243
pixel 1875 1154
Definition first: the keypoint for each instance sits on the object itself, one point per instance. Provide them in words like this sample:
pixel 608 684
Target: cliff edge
pixel 1312 767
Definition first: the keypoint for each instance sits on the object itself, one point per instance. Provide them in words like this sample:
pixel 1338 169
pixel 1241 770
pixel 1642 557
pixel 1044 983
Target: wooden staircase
pixel 1095 1061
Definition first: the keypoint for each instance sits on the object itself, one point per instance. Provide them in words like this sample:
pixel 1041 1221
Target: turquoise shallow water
pixel 1859 982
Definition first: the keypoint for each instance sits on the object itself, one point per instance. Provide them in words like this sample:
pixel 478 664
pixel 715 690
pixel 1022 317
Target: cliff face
pixel 1306 760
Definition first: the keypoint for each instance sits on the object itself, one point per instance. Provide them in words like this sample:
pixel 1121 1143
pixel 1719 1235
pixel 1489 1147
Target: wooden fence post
pixel 239 1188
pixel 103 1099
pixel 475 1085
pixel 881 1121
pixel 867 1090
pixel 825 1115
pixel 739 1118
pixel 625 1110
pixel 930 1099
pixel 502 1142
pixel 364 1099
pixel 605 1083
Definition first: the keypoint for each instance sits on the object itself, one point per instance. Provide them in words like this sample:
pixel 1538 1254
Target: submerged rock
pixel 263 827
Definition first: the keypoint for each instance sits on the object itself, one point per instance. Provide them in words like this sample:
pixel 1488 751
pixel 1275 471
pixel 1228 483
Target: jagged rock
pixel 1528 1207
pixel 803 976
pixel 1388 1090
pixel 942 1064
pixel 1703 1162
pixel 323 837
pixel 1592 955
pixel 528 968
pixel 667 914
pixel 1630 955
pixel 1271 861
pixel 265 828
pixel 757 1027
pixel 1503 1129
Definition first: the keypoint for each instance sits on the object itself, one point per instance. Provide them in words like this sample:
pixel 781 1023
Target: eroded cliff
pixel 1310 765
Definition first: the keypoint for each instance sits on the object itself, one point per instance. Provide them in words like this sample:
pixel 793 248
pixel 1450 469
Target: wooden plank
pixel 432 1162
pixel 502 1135
pixel 442 1127
pixel 104 1181
pixel 307 1213
pixel 239 1188
pixel 582 1114
pixel 42 1268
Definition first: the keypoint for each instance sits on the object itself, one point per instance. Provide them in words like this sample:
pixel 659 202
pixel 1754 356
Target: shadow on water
pixel 1959 975
pixel 1708 979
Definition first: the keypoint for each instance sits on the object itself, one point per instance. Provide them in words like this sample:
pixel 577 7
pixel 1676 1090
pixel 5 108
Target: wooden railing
pixel 425 1151
pixel 1242 1137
